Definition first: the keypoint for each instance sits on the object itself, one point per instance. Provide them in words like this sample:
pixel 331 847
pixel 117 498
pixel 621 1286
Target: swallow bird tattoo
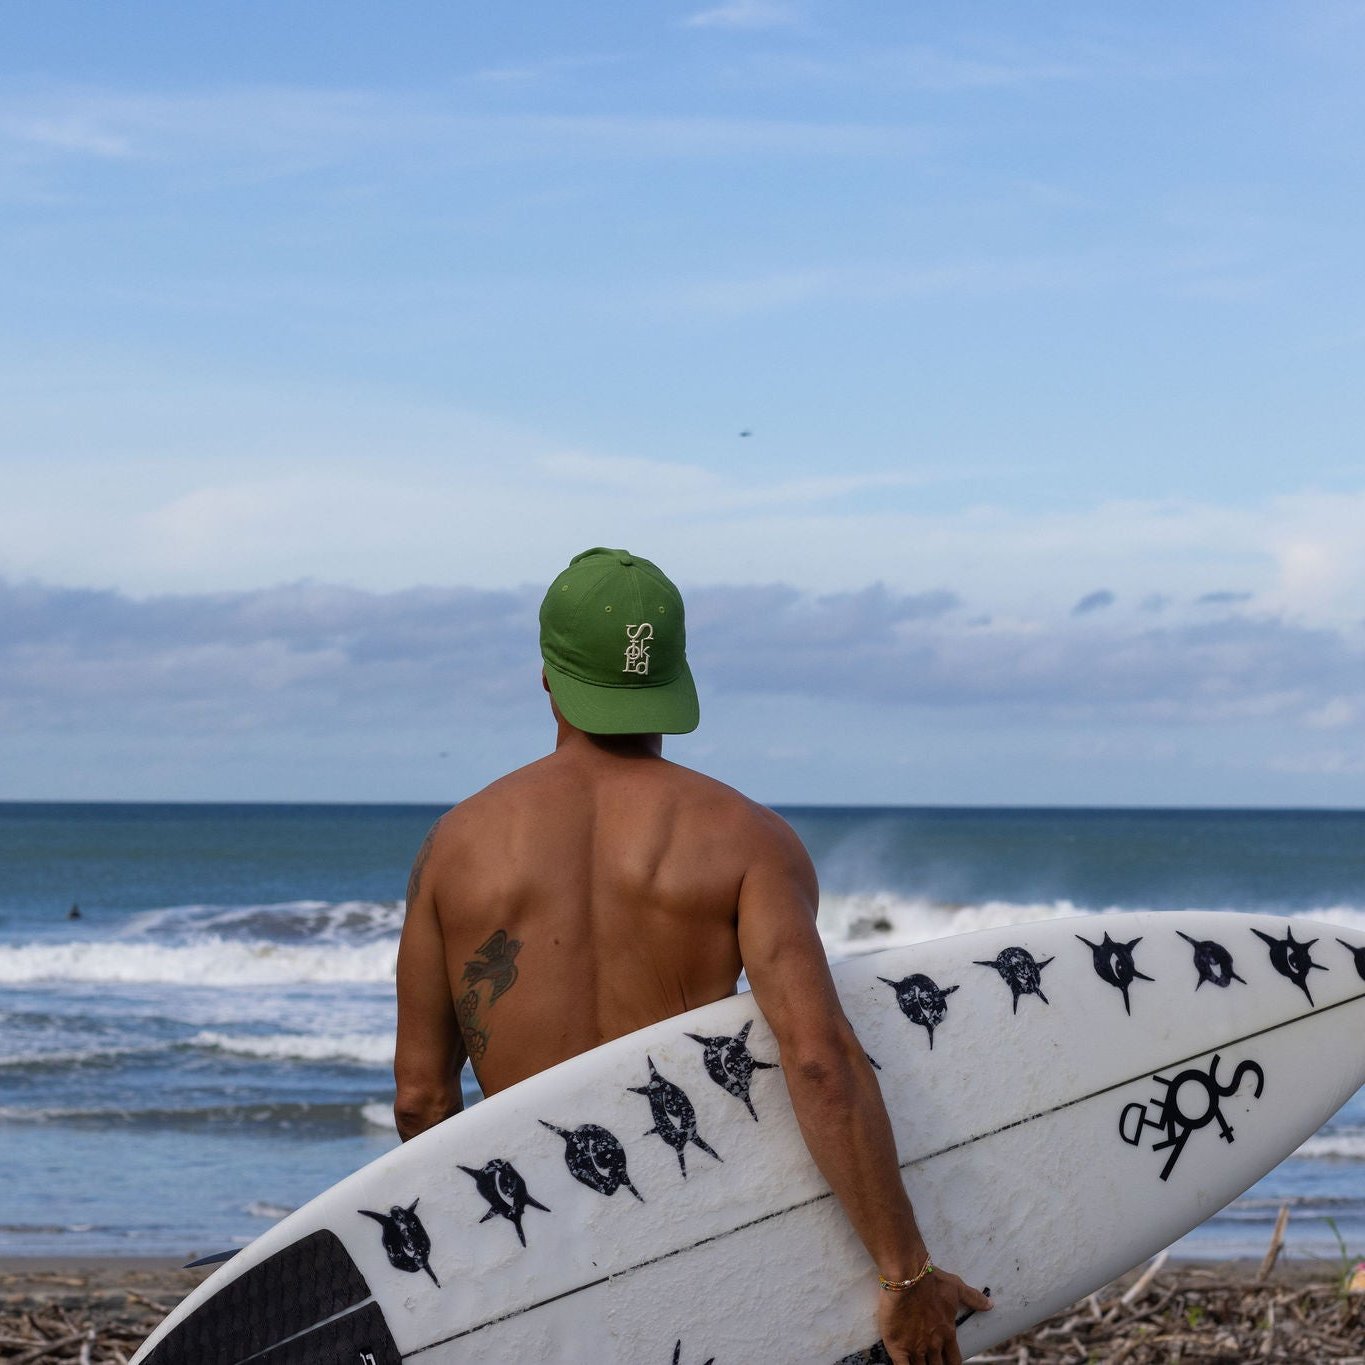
pixel 496 963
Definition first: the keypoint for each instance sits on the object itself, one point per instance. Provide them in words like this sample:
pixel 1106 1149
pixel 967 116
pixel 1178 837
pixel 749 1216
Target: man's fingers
pixel 974 1298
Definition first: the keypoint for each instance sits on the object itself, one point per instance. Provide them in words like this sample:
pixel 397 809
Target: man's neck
pixel 570 737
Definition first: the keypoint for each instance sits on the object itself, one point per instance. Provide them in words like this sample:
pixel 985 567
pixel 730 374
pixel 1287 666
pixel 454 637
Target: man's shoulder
pixel 743 815
pixel 490 802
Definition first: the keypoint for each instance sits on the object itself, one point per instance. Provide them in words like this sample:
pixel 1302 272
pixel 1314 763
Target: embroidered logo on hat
pixel 637 648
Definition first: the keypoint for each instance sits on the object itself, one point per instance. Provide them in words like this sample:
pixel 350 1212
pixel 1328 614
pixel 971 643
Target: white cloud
pixel 262 133
pixel 1336 714
pixel 70 134
pixel 746 14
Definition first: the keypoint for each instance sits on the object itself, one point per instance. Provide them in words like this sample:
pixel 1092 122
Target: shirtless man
pixel 603 888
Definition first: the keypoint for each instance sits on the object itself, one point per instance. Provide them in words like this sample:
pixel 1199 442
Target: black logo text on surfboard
pixel 503 1186
pixel 1114 964
pixel 1192 1101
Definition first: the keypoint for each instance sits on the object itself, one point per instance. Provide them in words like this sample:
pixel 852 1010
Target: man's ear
pixel 544 681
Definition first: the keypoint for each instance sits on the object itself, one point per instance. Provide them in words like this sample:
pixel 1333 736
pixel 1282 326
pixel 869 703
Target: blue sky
pixel 332 330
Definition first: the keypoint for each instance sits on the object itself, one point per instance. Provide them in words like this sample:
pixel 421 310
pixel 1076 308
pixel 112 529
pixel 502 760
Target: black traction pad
pixel 283 1296
pixel 360 1338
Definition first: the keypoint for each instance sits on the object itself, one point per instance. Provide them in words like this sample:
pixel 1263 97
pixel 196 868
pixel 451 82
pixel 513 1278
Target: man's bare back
pixel 584 896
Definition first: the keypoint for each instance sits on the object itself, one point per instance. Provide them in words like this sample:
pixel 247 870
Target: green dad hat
pixel 614 642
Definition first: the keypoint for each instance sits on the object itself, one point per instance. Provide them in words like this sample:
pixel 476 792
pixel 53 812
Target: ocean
pixel 208 1044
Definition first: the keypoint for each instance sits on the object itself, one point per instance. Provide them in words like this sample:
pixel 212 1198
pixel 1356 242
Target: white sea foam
pixel 379 1116
pixel 263 1208
pixel 368 1049
pixel 865 923
pixel 67 1056
pixel 354 921
pixel 209 961
pixel 1347 1144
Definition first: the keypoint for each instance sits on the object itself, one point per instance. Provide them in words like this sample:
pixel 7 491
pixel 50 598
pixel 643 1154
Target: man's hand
pixel 918 1325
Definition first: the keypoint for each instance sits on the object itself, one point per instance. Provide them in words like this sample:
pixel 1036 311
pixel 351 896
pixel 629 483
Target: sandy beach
pixel 97 1311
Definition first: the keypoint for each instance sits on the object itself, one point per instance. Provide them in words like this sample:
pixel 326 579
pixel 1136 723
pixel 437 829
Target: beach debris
pixel 1183 1312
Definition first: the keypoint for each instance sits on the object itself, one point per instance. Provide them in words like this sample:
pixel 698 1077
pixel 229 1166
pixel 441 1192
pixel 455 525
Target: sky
pixel 988 376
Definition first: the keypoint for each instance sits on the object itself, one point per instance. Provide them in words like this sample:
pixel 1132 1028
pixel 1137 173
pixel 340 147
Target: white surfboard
pixel 1068 1098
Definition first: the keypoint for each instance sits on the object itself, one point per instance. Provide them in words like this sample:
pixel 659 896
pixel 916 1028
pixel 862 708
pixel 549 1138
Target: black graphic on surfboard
pixel 1114 964
pixel 405 1239
pixel 503 1186
pixel 876 1065
pixel 595 1158
pixel 677 1354
pixel 1291 958
pixel 1202 1092
pixel 1358 954
pixel 922 1001
pixel 873 1355
pixel 1212 961
pixel 675 1120
pixel 731 1065
pixel 1020 972
pixel 498 963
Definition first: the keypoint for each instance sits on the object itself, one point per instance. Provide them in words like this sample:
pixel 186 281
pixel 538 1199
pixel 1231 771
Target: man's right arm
pixel 836 1098
pixel 429 1049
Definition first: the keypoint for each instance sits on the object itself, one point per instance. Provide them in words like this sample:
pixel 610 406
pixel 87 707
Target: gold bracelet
pixel 900 1286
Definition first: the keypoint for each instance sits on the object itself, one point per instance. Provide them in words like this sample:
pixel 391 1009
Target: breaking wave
pixel 365 1049
pixel 870 921
pixel 209 961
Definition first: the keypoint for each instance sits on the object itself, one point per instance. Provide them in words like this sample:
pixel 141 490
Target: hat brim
pixel 666 708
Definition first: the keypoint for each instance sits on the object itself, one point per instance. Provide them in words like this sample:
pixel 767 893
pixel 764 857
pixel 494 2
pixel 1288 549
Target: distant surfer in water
pixel 603 888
